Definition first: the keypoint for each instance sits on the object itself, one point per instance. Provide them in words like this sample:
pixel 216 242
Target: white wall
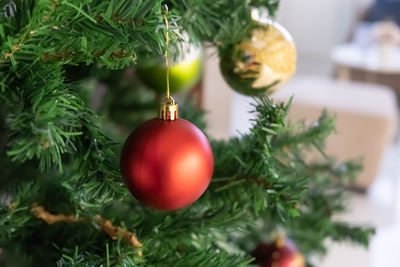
pixel 317 26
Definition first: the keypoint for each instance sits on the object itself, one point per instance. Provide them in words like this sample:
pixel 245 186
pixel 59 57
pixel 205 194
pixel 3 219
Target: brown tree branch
pixel 114 232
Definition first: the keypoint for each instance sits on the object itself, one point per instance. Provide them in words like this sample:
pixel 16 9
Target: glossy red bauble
pixel 167 164
pixel 282 253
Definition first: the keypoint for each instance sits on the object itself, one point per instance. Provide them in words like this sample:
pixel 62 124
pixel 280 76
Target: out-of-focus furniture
pixel 366 118
pixel 365 64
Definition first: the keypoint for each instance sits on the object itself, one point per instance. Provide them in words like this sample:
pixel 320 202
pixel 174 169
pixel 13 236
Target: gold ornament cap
pixel 168 109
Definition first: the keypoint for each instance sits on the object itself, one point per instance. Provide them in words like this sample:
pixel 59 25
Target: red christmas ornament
pixel 167 163
pixel 281 253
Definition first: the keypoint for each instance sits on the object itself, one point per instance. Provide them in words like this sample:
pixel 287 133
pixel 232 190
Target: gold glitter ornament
pixel 261 63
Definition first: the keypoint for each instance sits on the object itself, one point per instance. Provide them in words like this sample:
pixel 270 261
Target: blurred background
pixel 349 64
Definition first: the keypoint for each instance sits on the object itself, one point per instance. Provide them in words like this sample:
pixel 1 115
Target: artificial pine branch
pixel 280 200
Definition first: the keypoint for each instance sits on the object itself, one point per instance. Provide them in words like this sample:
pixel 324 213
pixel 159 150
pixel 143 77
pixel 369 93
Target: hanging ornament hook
pixel 168 107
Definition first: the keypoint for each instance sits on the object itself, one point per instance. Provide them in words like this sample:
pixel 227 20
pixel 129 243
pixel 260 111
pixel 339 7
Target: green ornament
pixel 184 72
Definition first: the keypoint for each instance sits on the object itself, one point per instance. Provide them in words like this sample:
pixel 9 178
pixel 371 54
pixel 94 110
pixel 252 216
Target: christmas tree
pixel 62 197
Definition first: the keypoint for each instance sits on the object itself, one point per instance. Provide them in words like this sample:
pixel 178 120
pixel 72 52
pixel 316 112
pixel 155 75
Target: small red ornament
pixel 281 253
pixel 167 163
